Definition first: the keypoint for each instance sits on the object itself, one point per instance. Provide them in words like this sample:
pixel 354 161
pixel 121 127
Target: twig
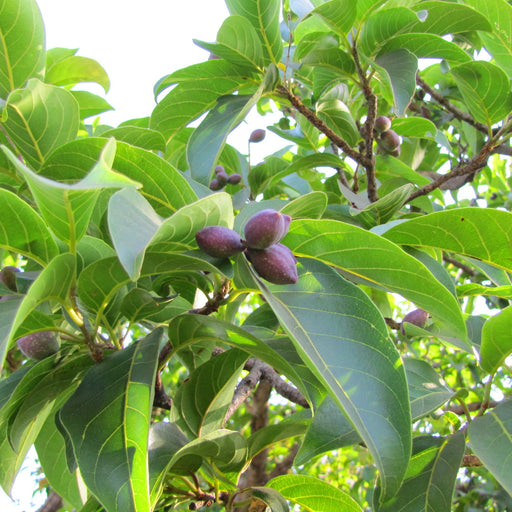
pixel 473 406
pixel 456 263
pixel 471 461
pixel 52 504
pixel 283 467
pixel 161 398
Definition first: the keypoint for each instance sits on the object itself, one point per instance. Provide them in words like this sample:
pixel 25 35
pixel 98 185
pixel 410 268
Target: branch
pixel 456 263
pixel 474 406
pixel 371 100
pixel 53 503
pixel 161 398
pixel 318 123
pixel 213 304
pixel 283 467
pixel 471 461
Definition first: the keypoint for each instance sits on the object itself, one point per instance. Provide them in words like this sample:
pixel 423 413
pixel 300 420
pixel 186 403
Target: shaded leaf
pixel 338 14
pixel 338 117
pixel 136 136
pixel 271 498
pixel 109 425
pixel 496 343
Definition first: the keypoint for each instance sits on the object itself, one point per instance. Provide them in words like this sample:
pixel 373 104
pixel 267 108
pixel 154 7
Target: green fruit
pixel 8 277
pixel 417 317
pixel 219 241
pixel 257 135
pixel 382 123
pixel 265 228
pixel 234 179
pixel 277 264
pixel 39 345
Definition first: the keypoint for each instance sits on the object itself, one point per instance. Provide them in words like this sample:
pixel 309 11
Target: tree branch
pixel 471 461
pixel 52 504
pixel 474 406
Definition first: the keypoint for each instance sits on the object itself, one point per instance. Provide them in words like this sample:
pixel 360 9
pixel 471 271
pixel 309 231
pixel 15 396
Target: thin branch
pixel 161 398
pixel 52 504
pixel 471 461
pixel 213 304
pixel 318 123
pixel 283 467
pixel 456 263
pixel 472 407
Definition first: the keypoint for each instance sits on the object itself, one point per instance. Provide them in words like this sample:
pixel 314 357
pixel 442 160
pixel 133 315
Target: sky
pixel 137 43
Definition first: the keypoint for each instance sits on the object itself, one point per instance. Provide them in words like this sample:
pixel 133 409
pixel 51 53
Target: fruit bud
pixel 389 141
pixel 257 135
pixel 277 264
pixel 219 241
pixel 39 345
pixel 265 228
pixel 234 179
pixel 8 277
pixel 382 123
pixel 417 317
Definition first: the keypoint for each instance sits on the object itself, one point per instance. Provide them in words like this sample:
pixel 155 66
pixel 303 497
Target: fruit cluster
pixel 388 140
pixel 263 232
pixel 222 179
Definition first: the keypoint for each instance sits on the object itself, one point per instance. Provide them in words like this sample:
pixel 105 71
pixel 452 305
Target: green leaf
pixel 312 494
pixel 338 14
pixel 264 17
pixel 415 127
pixel 427 46
pixel 310 205
pixel 23 231
pixel 338 117
pixel 201 403
pixel 361 253
pixel 90 104
pixel 39 118
pixel 109 425
pixel 473 289
pixel 401 67
pixel 238 43
pixel 22 54
pixel 496 343
pixel 67 209
pixel 136 136
pixel 443 18
pixel 427 390
pixel 481 233
pixel 431 476
pixel 330 429
pixel 499 42
pixel 333 59
pixel 198 89
pixel 8 309
pixel 490 438
pixel 343 339
pixel 162 185
pixel 271 498
pixel 485 89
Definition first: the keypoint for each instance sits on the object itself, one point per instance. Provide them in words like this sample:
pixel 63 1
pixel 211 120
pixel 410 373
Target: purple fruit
pixel 39 345
pixel 8 277
pixel 219 241
pixel 219 168
pixel 382 123
pixel 417 317
pixel 257 135
pixel 389 141
pixel 234 179
pixel 215 185
pixel 222 178
pixel 265 228
pixel 277 264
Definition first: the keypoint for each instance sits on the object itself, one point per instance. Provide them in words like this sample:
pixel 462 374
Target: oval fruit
pixel 277 264
pixel 219 241
pixel 39 345
pixel 265 228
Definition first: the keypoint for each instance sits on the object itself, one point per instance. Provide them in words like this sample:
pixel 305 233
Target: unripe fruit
pixel 417 317
pixel 234 179
pixel 265 228
pixel 389 141
pixel 215 185
pixel 257 135
pixel 8 277
pixel 277 264
pixel 222 178
pixel 219 241
pixel 39 345
pixel 382 123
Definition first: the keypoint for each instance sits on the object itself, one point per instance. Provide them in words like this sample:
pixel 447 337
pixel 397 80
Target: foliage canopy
pixel 185 380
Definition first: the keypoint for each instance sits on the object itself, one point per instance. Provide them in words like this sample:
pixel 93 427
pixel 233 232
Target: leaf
pixel 499 42
pixel 237 42
pixel 22 54
pixel 401 67
pixel 264 17
pixel 339 15
pixel 23 231
pixel 162 185
pixel 201 403
pixel 414 127
pixel 312 494
pixel 40 118
pixel 67 209
pixel 496 343
pixel 8 309
pixel 427 390
pixel 107 419
pixel 271 498
pixel 136 136
pixel 90 104
pixel 199 87
pixel 481 233
pixel 310 205
pixel 75 69
pixel 473 289
pixel 485 89
pixel 362 254
pixel 330 429
pixel 490 438
pixel 343 339
pixel 431 476
pixel 338 117
pixel 440 18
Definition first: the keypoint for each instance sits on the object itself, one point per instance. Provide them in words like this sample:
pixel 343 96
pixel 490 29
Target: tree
pixel 262 362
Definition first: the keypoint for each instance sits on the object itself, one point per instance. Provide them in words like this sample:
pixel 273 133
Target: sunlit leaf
pixel 496 340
